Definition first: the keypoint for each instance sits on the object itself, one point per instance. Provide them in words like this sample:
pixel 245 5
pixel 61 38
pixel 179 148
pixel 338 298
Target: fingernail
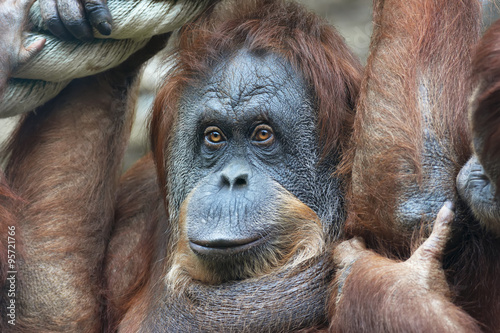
pixel 104 28
pixel 449 205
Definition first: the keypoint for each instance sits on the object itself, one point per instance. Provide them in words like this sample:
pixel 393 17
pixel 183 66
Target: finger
pixel 99 15
pixel 73 16
pixel 433 246
pixel 32 50
pixel 50 16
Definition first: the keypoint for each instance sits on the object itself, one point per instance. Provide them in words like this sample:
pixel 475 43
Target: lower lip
pixel 231 250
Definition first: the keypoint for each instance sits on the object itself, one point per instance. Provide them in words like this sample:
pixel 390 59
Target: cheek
pixel 280 230
pixel 184 176
pixel 298 175
pixel 297 168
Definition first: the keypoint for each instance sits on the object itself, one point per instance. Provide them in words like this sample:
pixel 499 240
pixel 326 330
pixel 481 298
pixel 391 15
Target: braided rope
pixel 134 23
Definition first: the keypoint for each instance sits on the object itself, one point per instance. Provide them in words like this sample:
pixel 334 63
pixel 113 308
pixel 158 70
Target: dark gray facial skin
pixel 242 94
pixel 229 193
pixel 477 190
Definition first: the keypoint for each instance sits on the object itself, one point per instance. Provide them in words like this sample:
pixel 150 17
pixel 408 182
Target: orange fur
pixel 64 161
pixel 414 43
pixel 406 307
pixel 312 47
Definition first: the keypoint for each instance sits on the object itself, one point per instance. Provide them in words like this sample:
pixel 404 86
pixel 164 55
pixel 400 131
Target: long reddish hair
pixel 311 46
pixel 414 44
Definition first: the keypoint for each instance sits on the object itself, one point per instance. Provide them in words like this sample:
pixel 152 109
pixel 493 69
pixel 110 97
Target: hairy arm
pixel 129 255
pixel 64 162
pixel 376 294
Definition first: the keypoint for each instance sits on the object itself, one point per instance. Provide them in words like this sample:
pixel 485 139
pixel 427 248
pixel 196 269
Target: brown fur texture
pixel 129 255
pixel 475 259
pixel 58 214
pixel 230 307
pixel 7 201
pixel 133 266
pixel 198 307
pixel 415 297
pixel 64 164
pixel 478 180
pixel 11 251
pixel 270 303
pixel 416 87
pixel 415 45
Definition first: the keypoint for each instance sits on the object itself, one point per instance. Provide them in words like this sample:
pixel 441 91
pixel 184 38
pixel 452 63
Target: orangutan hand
pixel 423 269
pixel 68 19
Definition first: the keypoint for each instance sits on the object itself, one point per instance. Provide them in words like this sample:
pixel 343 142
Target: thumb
pixel 31 50
pixel 433 246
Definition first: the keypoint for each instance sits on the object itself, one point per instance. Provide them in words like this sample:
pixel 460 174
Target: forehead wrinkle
pixel 248 85
pixel 237 115
pixel 245 76
pixel 250 97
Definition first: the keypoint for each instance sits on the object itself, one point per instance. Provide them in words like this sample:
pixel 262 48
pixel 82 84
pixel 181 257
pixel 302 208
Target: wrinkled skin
pixel 261 114
pixel 69 19
pixel 244 96
pixel 13 15
pixel 242 93
pixel 244 202
pixel 222 192
pixel 477 189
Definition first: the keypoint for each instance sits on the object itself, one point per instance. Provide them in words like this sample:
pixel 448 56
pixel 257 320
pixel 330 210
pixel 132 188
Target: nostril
pixel 231 182
pixel 235 175
pixel 225 181
pixel 241 181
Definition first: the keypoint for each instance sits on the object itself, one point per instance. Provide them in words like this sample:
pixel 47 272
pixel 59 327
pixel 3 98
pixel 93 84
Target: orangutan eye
pixel 214 136
pixel 263 135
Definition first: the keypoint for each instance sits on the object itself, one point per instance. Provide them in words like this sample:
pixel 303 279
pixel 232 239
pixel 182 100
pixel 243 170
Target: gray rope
pixel 134 23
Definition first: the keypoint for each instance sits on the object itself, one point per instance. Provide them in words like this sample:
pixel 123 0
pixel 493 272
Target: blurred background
pixel 352 18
